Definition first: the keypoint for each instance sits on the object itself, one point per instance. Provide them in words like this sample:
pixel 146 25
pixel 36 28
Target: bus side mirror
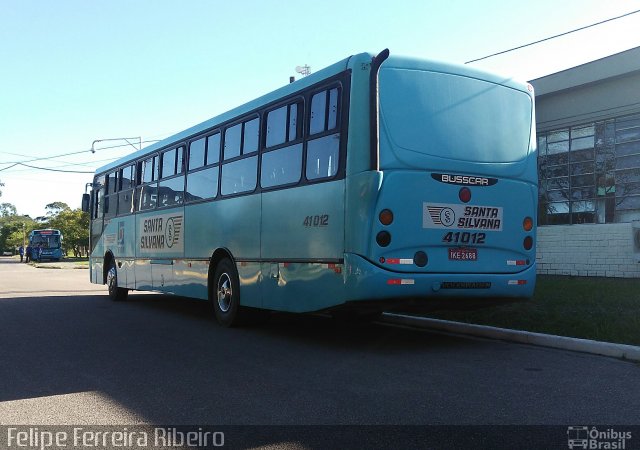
pixel 86 199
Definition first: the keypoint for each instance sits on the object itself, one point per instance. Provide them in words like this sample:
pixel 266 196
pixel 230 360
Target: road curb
pixel 622 351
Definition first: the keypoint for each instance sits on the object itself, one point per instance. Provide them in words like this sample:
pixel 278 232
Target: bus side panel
pixel 361 199
pixel 302 287
pixel 159 244
pixel 124 250
pixel 233 224
pixel 302 241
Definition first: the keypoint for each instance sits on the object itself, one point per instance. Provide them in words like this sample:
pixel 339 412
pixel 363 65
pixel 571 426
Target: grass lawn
pixel 602 309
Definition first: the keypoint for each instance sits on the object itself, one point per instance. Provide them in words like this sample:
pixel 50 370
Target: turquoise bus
pixel 376 180
pixel 46 244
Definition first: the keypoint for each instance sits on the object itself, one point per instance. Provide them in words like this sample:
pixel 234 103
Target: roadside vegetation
pixel 602 309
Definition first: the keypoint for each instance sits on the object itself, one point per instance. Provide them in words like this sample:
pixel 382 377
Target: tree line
pixel 72 223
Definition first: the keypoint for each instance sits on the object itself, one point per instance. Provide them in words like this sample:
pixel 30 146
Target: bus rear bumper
pixel 366 281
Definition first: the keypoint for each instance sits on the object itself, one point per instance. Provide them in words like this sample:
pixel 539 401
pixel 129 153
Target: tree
pixel 7 209
pixel 13 231
pixel 55 208
pixel 74 225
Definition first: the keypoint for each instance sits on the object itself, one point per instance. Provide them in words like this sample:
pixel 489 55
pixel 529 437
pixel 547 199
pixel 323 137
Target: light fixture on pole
pixel 126 139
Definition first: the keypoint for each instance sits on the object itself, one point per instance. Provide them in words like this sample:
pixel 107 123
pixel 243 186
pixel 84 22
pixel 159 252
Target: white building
pixel 588 126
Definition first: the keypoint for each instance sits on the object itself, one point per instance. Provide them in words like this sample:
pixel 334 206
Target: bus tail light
pixel 528 243
pixel 464 195
pixel 527 224
pixel 383 238
pixel 386 217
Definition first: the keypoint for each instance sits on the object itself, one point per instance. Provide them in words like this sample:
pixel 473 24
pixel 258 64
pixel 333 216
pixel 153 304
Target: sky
pixel 75 71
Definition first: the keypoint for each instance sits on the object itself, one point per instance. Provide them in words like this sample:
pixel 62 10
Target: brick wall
pixel 588 250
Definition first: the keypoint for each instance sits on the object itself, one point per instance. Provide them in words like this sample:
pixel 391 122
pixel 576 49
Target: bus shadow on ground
pixel 311 328
pixel 167 360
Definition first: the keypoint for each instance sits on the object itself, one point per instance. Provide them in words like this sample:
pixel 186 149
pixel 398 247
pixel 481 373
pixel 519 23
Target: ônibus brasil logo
pixel 593 438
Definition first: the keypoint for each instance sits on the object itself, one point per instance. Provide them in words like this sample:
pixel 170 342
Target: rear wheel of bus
pixel 115 293
pixel 225 294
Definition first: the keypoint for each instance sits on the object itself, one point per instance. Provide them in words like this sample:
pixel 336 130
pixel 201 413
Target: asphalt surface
pixel 71 356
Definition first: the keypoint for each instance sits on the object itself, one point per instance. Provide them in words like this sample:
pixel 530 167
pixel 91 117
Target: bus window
pixel 99 202
pixel 180 162
pixel 213 149
pixel 171 192
pixel 232 141
pixel 168 167
pixel 239 176
pixel 293 121
pixel 251 136
pixel 282 125
pixel 282 166
pixel 318 110
pixel 112 185
pixel 125 202
pixel 196 154
pixel 202 184
pixel 276 126
pixel 324 115
pixel 322 157
pixel 126 178
pixel 146 197
pixel 332 121
pixel 110 206
pixel 146 169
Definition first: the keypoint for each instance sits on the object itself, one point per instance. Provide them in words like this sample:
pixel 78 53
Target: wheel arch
pixel 217 256
pixel 108 258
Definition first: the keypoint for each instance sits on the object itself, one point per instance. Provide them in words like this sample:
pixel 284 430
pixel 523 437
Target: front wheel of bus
pixel 226 294
pixel 115 293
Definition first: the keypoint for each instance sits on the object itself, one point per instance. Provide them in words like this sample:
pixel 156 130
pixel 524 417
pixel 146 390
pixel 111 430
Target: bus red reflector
pixel 517 282
pixel 397 281
pixel 516 262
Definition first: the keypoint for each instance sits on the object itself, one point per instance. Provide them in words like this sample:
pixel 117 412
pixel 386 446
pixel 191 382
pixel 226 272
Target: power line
pixel 53 170
pixel 49 158
pixel 553 37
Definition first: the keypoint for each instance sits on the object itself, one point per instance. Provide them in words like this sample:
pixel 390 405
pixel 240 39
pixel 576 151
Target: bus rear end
pixel 454 208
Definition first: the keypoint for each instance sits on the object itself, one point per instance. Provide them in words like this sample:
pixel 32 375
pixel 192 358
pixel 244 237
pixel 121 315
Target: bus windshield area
pixel 45 241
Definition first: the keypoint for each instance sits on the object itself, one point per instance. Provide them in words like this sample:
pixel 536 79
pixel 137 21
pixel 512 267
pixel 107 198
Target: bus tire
pixel 116 293
pixel 225 294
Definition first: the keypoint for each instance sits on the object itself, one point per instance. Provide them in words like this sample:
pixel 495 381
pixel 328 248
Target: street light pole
pixel 126 139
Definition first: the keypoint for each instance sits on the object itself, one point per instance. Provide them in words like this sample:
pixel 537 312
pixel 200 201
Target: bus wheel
pixel 115 293
pixel 226 294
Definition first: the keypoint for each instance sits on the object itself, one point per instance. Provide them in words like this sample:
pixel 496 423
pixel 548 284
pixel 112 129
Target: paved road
pixel 71 356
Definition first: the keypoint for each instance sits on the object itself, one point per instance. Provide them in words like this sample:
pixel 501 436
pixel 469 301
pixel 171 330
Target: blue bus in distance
pixel 46 244
pixel 376 180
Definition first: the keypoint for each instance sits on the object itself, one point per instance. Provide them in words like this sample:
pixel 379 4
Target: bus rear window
pixel 454 117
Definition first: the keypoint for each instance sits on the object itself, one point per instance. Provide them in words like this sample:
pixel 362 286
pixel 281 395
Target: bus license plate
pixel 463 254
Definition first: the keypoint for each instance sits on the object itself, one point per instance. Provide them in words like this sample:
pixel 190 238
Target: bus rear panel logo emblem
pixel 442 215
